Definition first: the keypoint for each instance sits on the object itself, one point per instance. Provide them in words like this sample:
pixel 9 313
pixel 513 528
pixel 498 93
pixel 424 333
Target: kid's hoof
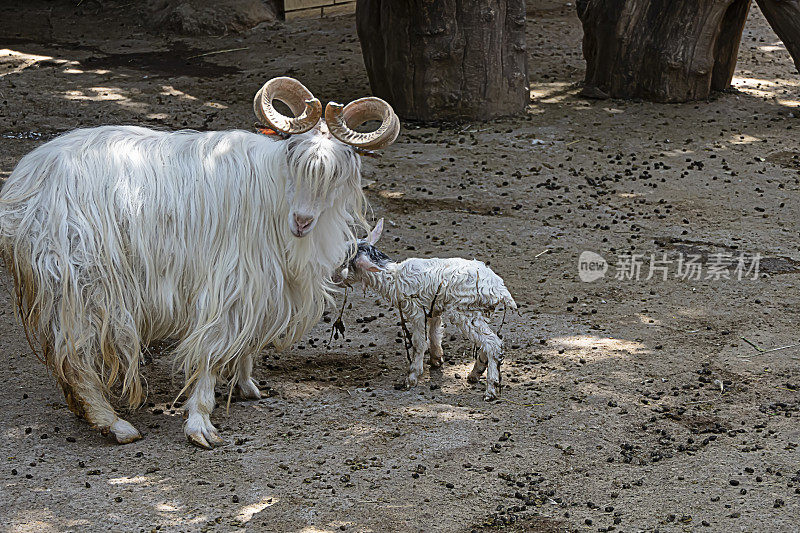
pixel 411 381
pixel 491 392
pixel 124 432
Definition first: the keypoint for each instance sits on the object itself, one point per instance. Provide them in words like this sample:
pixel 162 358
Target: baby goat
pixel 464 292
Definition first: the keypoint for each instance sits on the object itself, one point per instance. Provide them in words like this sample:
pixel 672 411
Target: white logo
pixel 591 266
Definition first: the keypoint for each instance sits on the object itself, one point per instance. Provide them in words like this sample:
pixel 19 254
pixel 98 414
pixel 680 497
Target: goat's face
pixel 364 257
pixel 323 167
pixel 322 173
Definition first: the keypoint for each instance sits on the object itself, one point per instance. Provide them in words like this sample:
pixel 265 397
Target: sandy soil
pixel 628 406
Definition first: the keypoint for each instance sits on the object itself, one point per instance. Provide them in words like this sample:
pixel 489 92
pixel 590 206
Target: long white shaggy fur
pixel 463 292
pixel 117 236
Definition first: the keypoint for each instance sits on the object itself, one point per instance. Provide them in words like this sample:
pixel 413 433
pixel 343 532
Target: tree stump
pixel 446 59
pixel 660 50
pixel 784 17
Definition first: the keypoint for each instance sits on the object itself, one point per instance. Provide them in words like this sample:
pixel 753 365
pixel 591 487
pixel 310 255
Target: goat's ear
pixel 375 234
pixel 362 262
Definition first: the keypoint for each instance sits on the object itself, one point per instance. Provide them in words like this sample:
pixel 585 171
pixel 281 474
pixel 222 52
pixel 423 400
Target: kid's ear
pixel 375 234
pixel 363 263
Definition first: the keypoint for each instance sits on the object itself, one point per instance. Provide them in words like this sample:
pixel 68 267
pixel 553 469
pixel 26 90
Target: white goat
pixel 118 236
pixel 463 292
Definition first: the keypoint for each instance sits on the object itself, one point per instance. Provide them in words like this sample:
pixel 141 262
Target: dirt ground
pixel 629 405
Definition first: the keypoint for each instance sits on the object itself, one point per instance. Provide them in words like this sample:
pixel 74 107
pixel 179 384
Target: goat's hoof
pixel 437 363
pixel 214 439
pixel 124 432
pixel 206 441
pixel 198 440
pixel 472 378
pixel 491 393
pixel 411 381
pixel 201 432
pixel 248 390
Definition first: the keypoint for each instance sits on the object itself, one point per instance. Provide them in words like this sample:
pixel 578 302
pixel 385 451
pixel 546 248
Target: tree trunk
pixel 660 50
pixel 446 59
pixel 784 17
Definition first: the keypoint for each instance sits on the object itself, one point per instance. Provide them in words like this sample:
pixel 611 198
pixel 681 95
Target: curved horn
pixel 341 120
pixel 307 110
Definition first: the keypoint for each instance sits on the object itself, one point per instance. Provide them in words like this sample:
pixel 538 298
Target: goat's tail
pixel 494 292
pixel 507 299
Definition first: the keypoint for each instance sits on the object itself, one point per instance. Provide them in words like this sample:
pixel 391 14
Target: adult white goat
pixel 117 236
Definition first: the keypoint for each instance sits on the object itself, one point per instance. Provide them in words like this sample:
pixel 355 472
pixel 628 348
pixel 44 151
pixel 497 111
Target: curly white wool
pixel 117 236
pixel 463 292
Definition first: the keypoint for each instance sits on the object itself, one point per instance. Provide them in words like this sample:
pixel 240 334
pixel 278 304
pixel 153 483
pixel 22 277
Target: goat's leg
pixel 490 351
pixel 481 362
pixel 491 347
pixel 83 387
pixel 463 322
pixel 198 427
pixel 435 332
pixel 415 322
pixel 85 398
pixel 246 386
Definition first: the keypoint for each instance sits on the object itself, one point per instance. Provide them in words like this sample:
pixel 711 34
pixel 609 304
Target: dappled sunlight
pixel 177 514
pixel 360 433
pixel 16 62
pixel 390 194
pixel 743 139
pixel 247 512
pixel 690 312
pixel 779 47
pixel 100 94
pixel 169 90
pixel 166 508
pixel 337 526
pixel 648 320
pixel 86 85
pixel 80 71
pixel 129 480
pixel 438 411
pixel 598 348
pixel 39 520
pixel 788 102
pixel 763 88
pixel 552 92
pixel 585 341
pixel 677 152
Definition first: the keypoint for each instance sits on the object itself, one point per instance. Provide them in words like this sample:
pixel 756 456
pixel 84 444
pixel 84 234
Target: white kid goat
pixel 118 236
pixel 465 293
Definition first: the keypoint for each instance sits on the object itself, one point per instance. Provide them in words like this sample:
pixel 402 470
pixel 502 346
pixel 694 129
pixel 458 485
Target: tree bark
pixel 446 59
pixel 660 50
pixel 784 17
